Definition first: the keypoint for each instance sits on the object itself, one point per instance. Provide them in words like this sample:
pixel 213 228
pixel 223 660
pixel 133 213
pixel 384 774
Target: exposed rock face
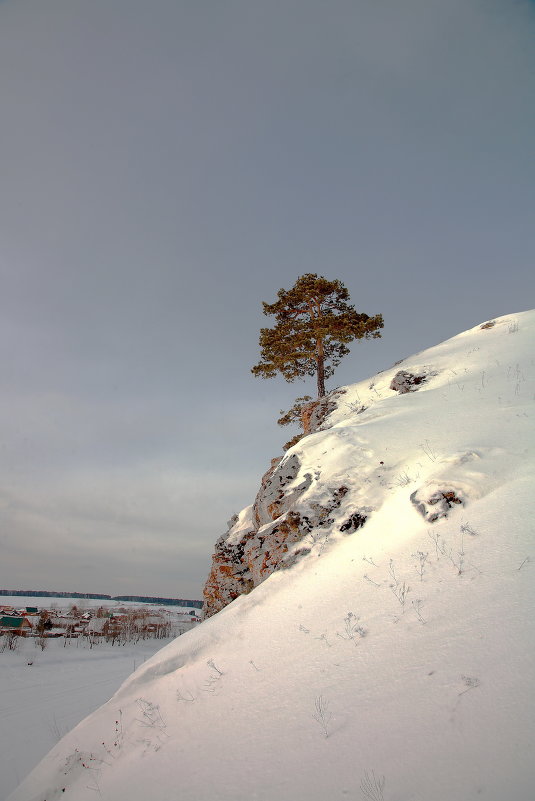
pixel 230 575
pixel 257 541
pixel 262 538
pixel 273 499
pixel 315 413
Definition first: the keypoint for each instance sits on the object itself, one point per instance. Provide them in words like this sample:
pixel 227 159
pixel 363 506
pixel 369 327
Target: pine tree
pixel 314 324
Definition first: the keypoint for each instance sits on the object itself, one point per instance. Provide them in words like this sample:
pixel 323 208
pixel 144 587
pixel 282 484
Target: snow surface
pixel 44 694
pixel 394 663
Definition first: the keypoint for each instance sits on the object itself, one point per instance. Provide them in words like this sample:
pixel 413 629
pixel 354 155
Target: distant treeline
pixel 167 601
pixel 95 596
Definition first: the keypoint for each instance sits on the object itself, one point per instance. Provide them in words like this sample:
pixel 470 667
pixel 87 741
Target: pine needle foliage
pixel 314 325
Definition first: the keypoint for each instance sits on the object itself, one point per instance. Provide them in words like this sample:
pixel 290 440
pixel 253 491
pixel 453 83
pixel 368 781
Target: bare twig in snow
pixel 435 536
pixel 372 787
pixel 181 697
pixel 422 559
pixel 417 606
pixel 470 683
pixel 371 580
pixel 352 629
pixel 401 591
pixel 429 451
pixel 466 528
pixel 152 717
pixel 322 715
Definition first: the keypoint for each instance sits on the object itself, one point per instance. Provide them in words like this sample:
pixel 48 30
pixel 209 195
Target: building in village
pixel 15 624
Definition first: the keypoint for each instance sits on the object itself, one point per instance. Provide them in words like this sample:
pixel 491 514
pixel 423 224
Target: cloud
pixel 128 521
pixel 152 198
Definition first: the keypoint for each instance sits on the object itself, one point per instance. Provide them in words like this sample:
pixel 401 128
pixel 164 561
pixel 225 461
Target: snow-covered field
pixel 393 664
pixel 42 701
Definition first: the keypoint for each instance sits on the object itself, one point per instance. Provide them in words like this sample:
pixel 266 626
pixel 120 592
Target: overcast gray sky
pixel 167 165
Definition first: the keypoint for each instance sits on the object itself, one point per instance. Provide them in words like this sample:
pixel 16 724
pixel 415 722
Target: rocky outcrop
pixel 230 575
pixel 435 503
pixel 258 540
pixel 263 537
pixel 274 497
pixel 312 415
pixel 355 521
pixel 404 382
pixel 315 413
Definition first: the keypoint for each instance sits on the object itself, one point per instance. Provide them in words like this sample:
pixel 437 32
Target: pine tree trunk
pixel 320 369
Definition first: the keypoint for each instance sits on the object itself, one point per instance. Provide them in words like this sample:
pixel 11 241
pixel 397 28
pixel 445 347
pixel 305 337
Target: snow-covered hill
pixel 392 660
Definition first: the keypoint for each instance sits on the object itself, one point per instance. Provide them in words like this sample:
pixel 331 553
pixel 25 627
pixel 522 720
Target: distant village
pixel 118 625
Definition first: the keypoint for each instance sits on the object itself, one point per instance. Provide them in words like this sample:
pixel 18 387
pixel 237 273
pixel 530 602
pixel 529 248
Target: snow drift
pixel 383 648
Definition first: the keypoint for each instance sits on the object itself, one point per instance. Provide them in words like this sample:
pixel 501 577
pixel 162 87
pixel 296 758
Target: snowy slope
pixel 43 694
pixel 396 662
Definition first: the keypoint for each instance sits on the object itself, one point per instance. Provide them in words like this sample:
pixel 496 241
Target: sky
pixel 167 166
